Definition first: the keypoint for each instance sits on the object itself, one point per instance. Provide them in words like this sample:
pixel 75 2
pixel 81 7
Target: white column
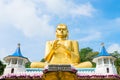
pixel 10 61
pixel 109 61
pixel 17 61
pixel 97 62
pixel 102 61
pixel 23 63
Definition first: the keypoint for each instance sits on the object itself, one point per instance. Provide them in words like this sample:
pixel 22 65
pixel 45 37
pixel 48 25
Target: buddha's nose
pixel 61 30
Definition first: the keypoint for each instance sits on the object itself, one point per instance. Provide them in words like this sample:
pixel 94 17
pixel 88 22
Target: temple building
pixel 104 64
pixel 15 62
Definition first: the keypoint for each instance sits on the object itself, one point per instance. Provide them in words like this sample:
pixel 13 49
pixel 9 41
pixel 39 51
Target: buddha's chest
pixel 63 49
pixel 66 43
pixel 60 53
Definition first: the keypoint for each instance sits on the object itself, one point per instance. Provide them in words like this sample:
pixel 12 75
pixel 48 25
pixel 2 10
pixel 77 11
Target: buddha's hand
pixel 68 51
pixel 55 45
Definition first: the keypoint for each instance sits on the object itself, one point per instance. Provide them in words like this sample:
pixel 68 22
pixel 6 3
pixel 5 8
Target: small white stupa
pixel 16 62
pixel 104 62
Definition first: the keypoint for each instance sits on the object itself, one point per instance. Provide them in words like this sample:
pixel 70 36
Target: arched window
pixel 107 70
pixel 106 61
pixel 12 70
pixel 20 62
pixel 14 61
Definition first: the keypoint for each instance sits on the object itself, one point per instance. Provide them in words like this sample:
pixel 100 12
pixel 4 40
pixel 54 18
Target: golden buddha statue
pixel 62 51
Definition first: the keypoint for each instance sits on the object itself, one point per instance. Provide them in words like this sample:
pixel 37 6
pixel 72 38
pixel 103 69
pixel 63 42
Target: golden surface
pixel 62 51
pixel 59 75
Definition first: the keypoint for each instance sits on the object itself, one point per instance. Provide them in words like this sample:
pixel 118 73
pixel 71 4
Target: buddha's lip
pixel 59 36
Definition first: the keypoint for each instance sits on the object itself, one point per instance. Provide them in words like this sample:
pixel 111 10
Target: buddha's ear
pixel 67 34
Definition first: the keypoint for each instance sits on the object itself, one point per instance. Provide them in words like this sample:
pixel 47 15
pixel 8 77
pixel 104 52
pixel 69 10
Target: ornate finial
pixel 18 44
pixel 102 44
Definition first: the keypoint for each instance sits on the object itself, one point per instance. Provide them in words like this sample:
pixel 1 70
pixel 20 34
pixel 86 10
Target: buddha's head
pixel 62 31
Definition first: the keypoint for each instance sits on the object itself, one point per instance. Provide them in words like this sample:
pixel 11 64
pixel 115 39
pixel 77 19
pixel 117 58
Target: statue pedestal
pixel 59 72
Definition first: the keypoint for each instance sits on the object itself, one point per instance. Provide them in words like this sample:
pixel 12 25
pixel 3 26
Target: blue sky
pixel 33 22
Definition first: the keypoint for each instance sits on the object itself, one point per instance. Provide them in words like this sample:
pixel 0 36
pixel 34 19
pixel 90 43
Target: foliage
pixel 2 66
pixel 42 60
pixel 83 53
pixel 116 54
pixel 91 55
pixel 27 65
pixel 87 54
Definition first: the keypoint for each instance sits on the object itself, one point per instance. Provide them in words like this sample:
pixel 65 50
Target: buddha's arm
pixel 50 48
pixel 75 57
pixel 47 50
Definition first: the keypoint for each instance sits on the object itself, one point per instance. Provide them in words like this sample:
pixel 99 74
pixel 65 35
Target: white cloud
pixel 84 9
pixel 33 19
pixel 114 47
pixel 22 15
pixel 91 36
pixel 3 53
pixel 64 8
pixel 76 30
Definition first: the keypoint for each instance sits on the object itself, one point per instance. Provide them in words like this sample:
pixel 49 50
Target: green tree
pixel 2 66
pixel 87 54
pixel 42 60
pixel 83 52
pixel 91 55
pixel 27 65
pixel 116 54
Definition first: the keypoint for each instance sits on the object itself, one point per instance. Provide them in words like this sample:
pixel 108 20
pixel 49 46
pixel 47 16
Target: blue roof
pixel 17 53
pixel 103 52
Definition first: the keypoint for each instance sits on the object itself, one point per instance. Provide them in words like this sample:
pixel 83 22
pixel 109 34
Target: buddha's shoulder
pixel 69 41
pixel 50 42
pixel 72 41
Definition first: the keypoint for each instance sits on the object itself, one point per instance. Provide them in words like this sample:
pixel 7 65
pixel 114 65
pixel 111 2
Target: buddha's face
pixel 61 31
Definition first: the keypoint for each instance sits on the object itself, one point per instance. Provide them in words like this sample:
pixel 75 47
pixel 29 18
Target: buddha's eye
pixel 59 29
